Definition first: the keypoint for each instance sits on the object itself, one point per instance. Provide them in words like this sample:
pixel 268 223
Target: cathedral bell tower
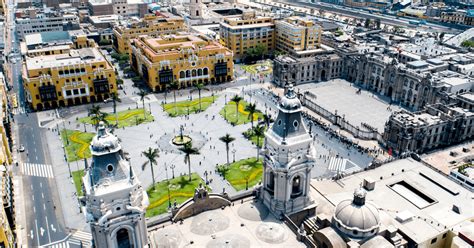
pixel 195 9
pixel 115 200
pixel 289 158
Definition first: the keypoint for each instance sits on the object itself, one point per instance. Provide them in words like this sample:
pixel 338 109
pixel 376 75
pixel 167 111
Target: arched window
pixel 188 73
pixel 205 71
pixel 296 187
pixel 199 72
pixel 123 239
pixel 194 73
pixel 182 74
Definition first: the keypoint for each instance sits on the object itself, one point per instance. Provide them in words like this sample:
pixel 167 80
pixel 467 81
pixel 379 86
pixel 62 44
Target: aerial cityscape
pixel 237 123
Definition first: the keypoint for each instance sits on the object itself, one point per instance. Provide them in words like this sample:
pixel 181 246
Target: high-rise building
pixel 246 32
pixel 289 159
pixel 115 200
pixel 297 35
pixel 187 59
pixel 149 25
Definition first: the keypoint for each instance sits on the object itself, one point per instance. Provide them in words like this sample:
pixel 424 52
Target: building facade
pixel 295 34
pixel 118 7
pixel 43 23
pixel 115 201
pixel 187 59
pixel 151 25
pixel 436 126
pixel 79 76
pixel 289 157
pixel 241 33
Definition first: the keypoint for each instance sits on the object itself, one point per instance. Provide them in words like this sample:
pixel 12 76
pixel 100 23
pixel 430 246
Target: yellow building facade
pixel 296 34
pixel 151 25
pixel 187 59
pixel 79 76
pixel 242 33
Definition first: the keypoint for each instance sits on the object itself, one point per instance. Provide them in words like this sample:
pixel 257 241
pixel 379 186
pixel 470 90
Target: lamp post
pixel 205 174
pixel 168 186
pixel 233 154
pixel 172 166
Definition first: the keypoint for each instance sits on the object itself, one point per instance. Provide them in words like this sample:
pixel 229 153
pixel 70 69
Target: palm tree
pixel 237 100
pixel 142 95
pixel 174 86
pixel 258 131
pixel 252 109
pixel 115 98
pixel 227 139
pixel 199 88
pixel 95 114
pixel 151 154
pixel 188 150
pixel 266 120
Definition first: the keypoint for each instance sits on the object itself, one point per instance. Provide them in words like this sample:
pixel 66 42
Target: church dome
pixel 290 101
pixel 356 218
pixel 104 142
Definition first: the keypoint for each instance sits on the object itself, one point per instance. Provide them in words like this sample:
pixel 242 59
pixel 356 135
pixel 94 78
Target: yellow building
pixel 187 59
pixel 150 25
pixel 295 34
pixel 79 76
pixel 242 33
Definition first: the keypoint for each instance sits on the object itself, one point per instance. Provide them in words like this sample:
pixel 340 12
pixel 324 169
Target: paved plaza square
pixel 339 95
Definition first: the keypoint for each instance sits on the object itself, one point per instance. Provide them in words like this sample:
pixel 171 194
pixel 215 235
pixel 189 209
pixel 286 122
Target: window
pixel 434 240
pixel 444 235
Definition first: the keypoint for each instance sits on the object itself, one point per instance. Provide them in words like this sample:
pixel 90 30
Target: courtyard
pixel 365 107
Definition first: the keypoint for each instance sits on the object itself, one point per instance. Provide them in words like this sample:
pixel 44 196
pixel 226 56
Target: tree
pixel 378 23
pixel 367 23
pixel 227 139
pixel 237 100
pixel 467 43
pixel 96 115
pixel 174 86
pixel 259 132
pixel 251 109
pixel 151 154
pixel 267 119
pixel 142 95
pixel 199 88
pixel 188 150
pixel 115 98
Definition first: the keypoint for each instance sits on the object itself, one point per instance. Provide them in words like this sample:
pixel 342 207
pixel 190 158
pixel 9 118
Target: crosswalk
pixel 81 238
pixel 17 111
pixel 337 164
pixel 37 170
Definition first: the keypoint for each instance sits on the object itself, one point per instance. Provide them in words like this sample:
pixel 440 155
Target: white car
pixel 21 149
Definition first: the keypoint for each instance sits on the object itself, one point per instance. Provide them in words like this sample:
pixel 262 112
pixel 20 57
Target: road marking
pixel 36 158
pixel 37 234
pixel 42 231
pixel 52 228
pixel 34 209
pixel 47 228
pixel 41 185
pixel 32 235
pixel 33 196
pixel 42 195
pixel 44 206
pixel 37 170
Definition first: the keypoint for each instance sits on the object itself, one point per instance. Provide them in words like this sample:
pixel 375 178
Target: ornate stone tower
pixel 195 9
pixel 289 158
pixel 115 200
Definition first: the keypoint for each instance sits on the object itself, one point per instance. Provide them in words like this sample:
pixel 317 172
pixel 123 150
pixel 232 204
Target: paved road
pixel 358 13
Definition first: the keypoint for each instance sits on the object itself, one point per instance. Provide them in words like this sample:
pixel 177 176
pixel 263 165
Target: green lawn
pixel 253 138
pixel 181 189
pixel 126 118
pixel 239 172
pixel 77 177
pixel 228 112
pixel 254 68
pixel 185 107
pixel 78 147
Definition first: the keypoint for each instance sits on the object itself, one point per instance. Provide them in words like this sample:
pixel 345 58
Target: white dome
pixel 290 101
pixel 104 142
pixel 355 218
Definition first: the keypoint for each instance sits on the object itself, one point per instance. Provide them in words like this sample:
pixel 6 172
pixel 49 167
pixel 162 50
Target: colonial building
pixel 151 25
pixel 115 201
pixel 247 31
pixel 187 59
pixel 289 159
pixel 195 9
pixel 436 126
pixel 118 7
pixel 77 76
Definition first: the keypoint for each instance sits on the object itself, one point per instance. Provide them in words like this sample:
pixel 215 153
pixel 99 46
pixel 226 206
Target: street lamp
pixel 205 174
pixel 168 186
pixel 233 153
pixel 172 166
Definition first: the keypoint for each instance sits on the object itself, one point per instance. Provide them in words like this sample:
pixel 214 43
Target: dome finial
pixel 290 91
pixel 359 197
pixel 101 129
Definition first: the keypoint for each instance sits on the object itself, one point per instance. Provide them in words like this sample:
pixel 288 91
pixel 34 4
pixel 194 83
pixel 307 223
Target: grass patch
pixel 239 172
pixel 253 68
pixel 228 112
pixel 181 189
pixel 126 118
pixel 249 134
pixel 185 107
pixel 77 178
pixel 76 144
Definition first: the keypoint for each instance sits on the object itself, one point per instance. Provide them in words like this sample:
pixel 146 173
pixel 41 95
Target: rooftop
pixel 74 57
pixel 408 187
